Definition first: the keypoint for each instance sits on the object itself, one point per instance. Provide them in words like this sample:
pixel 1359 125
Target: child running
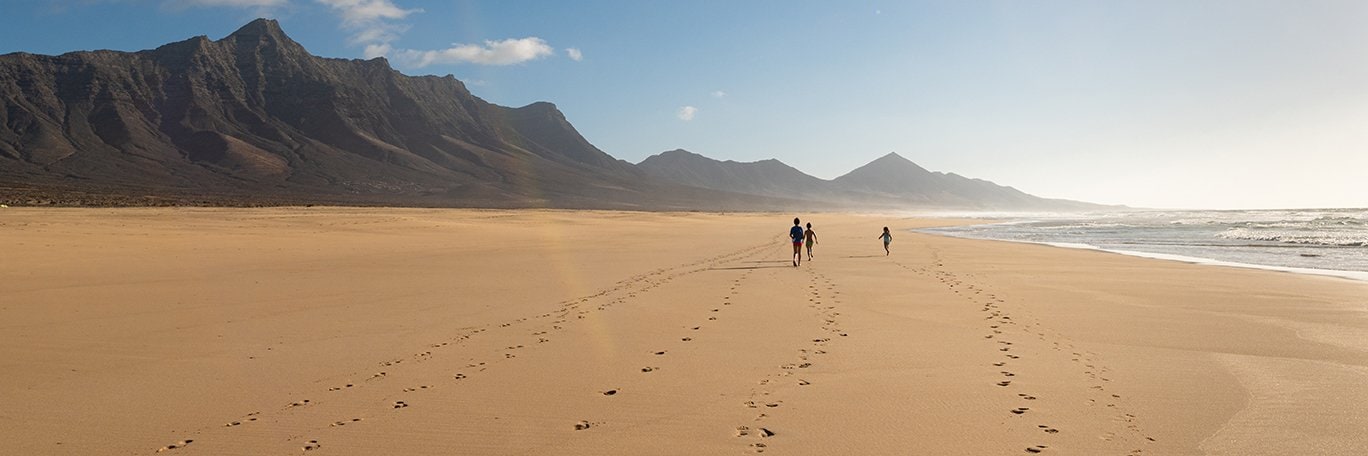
pixel 887 238
pixel 811 239
pixel 796 235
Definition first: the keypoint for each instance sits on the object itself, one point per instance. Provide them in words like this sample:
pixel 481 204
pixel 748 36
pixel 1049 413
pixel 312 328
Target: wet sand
pixel 349 331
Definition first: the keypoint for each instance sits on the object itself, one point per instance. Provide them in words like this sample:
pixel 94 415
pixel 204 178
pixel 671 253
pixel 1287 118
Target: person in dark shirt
pixel 796 235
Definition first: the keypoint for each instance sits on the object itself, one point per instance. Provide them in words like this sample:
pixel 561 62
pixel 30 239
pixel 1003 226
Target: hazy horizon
pixel 1213 105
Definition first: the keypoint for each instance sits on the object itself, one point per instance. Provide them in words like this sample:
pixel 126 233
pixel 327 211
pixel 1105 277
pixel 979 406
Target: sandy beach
pixel 364 331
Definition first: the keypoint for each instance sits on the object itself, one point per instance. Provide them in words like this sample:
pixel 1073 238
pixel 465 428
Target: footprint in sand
pixel 610 392
pixel 1004 383
pixel 1036 449
pixel 1020 410
pixel 649 369
pixel 312 445
pixel 1048 430
pixel 175 446
pixel 1026 396
pixel 299 403
pixel 344 423
pixel 582 425
pixel 400 404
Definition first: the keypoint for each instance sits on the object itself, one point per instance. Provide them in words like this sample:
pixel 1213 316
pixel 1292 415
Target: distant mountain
pixel 895 177
pixel 890 181
pixel 254 117
pixel 767 177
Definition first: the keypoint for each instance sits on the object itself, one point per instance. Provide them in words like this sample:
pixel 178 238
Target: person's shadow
pixel 750 267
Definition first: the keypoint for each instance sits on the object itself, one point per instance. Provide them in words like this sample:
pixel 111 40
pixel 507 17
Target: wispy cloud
pixel 687 113
pixel 362 13
pixel 574 54
pixel 372 22
pixel 719 94
pixel 502 52
pixel 377 24
pixel 224 3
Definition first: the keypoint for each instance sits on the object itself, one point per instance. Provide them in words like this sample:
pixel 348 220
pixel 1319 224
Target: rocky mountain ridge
pixel 255 119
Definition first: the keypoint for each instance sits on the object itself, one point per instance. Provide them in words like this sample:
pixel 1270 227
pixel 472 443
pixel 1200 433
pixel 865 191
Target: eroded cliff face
pixel 254 114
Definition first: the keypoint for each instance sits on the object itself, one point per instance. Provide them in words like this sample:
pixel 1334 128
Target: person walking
pixel 888 239
pixel 811 239
pixel 796 235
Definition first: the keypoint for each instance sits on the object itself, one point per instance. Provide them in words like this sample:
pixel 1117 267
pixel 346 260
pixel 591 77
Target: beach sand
pixel 357 331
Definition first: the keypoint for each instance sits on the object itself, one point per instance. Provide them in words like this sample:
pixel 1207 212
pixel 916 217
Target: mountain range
pixel 254 118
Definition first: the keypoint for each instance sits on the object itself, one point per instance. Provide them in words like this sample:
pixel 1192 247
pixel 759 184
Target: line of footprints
pixel 569 311
pixel 822 299
pixel 997 320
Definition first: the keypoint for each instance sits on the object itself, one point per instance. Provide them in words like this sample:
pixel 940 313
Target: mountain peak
pixel 542 108
pixel 263 33
pixel 681 152
pixel 893 156
pixel 260 27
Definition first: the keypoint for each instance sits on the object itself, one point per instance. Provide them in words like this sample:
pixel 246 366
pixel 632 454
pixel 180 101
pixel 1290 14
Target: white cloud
pixel 260 4
pixel 362 13
pixel 371 19
pixel 719 94
pixel 502 52
pixel 232 3
pixel 574 54
pixel 376 50
pixel 377 24
pixel 687 113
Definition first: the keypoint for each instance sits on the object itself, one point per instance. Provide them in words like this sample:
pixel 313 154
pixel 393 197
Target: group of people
pixel 801 236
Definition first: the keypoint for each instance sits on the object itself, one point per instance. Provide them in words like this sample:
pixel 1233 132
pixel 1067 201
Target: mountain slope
pixel 255 116
pixel 767 177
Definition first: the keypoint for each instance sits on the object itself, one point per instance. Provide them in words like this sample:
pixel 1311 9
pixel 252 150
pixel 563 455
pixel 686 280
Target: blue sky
pixel 1202 104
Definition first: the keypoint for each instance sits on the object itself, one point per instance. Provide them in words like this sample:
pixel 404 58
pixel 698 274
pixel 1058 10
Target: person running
pixel 887 238
pixel 796 235
pixel 811 239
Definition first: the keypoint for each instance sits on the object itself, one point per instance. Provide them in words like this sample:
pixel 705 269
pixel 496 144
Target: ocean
pixel 1313 241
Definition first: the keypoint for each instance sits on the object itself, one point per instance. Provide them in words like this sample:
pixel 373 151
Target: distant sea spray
pixel 1323 241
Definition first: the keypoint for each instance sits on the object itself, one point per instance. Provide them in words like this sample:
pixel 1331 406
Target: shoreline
pixel 1360 276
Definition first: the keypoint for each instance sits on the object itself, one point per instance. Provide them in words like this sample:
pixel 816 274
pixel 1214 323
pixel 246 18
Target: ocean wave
pixel 1303 237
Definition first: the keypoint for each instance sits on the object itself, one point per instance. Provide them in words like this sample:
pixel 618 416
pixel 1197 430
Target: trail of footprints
pixel 554 321
pixel 998 320
pixel 823 298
